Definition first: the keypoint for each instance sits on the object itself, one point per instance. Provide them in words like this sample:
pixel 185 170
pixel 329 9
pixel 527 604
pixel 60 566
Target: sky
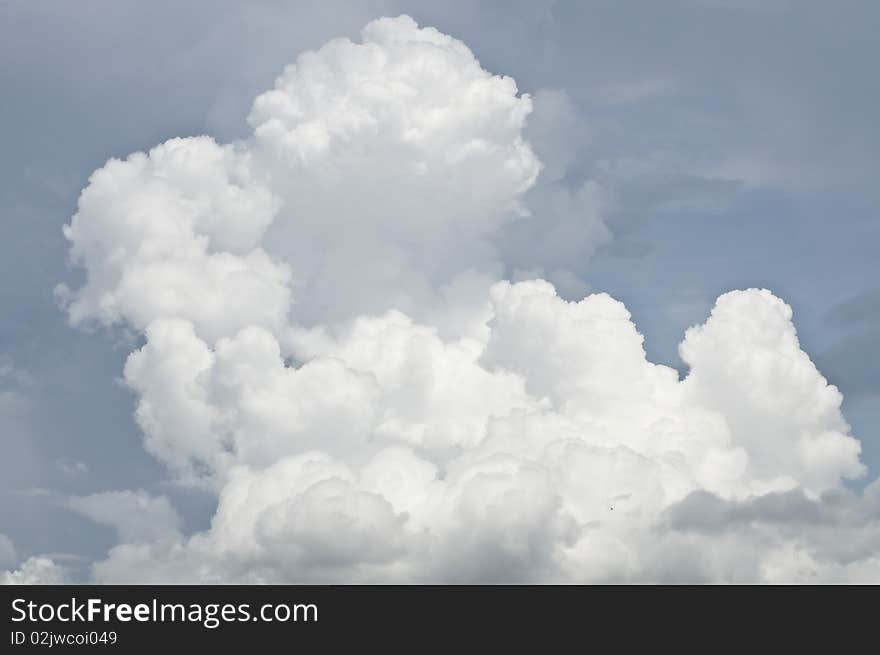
pixel 662 153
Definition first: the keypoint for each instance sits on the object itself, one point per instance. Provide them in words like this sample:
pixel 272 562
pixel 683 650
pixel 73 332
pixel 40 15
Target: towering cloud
pixel 175 232
pixel 331 349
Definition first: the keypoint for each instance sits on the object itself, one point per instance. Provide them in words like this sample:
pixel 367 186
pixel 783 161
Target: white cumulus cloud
pixel 330 347
pixel 35 571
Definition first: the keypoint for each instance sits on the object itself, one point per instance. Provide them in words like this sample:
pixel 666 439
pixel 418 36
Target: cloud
pixel 7 551
pixel 835 537
pixel 633 92
pixel 174 232
pixel 567 209
pixel 774 395
pixel 14 384
pixel 852 357
pixel 38 570
pixel 551 449
pixel 135 515
pixel 330 347
pixel 856 310
pixel 35 571
pixel 72 467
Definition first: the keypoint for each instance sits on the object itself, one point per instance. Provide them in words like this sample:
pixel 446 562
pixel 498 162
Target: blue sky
pixel 739 139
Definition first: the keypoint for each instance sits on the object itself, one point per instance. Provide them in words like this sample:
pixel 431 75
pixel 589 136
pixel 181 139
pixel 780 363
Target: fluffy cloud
pixel 398 160
pixel 175 232
pixel 330 348
pixel 773 394
pixel 35 571
pixel 550 449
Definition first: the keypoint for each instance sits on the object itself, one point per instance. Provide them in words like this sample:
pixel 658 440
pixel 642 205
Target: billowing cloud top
pixel 331 349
